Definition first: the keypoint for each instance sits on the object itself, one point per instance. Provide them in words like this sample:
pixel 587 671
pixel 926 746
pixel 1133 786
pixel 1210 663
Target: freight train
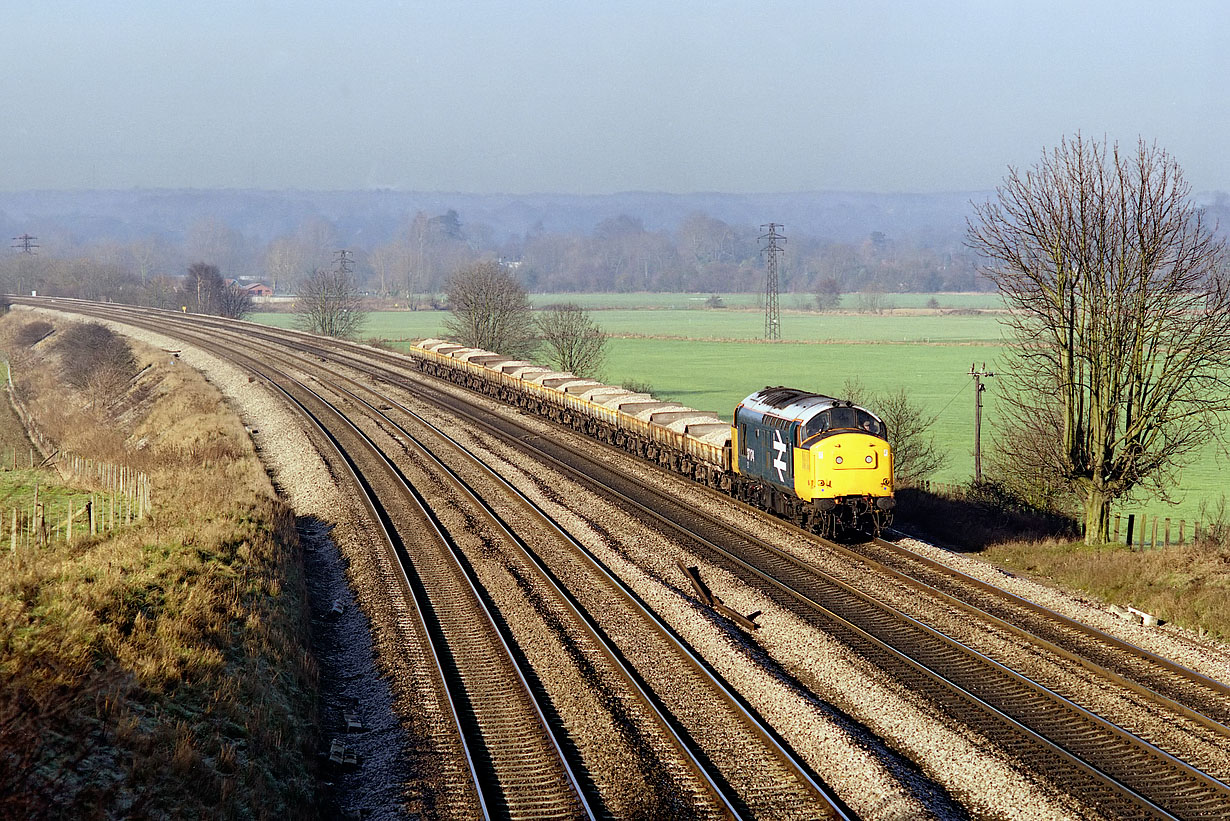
pixel 820 462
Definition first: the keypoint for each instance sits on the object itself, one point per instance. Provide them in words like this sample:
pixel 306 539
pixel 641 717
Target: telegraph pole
pixel 772 315
pixel 978 389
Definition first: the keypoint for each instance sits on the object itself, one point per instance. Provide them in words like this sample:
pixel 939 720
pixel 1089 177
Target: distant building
pixel 258 290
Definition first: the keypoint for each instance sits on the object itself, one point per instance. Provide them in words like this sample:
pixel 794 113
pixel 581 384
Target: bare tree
pixel 202 287
pixel 490 310
pixel 329 303
pixel 96 361
pixel 828 294
pixel 1027 446
pixel 872 301
pixel 143 253
pixel 574 342
pixel 284 261
pixel 234 301
pixel 1120 315
pixel 211 238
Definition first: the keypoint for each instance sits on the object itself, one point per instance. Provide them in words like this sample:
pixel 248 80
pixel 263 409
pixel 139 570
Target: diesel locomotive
pixel 823 462
pixel 820 462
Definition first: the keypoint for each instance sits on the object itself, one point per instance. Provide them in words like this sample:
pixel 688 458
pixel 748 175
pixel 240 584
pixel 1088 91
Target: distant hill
pixel 369 218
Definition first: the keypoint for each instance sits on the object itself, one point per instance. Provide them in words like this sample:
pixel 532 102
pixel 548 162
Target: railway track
pixel 750 774
pixel 1172 686
pixel 1108 767
pixel 512 750
pixel 770 791
pixel 1128 776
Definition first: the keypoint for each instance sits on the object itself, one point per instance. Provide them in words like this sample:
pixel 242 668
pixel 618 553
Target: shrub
pixel 95 361
pixel 32 333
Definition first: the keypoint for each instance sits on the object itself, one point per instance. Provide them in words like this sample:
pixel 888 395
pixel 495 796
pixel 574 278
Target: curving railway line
pixel 1027 692
pixel 523 756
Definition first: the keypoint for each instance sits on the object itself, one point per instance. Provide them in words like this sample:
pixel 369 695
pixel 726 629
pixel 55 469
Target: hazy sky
pixel 595 97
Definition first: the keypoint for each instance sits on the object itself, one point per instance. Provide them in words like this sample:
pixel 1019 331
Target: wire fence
pixel 110 495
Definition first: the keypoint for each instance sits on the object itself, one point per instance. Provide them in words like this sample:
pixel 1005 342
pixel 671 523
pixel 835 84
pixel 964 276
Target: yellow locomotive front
pixel 820 460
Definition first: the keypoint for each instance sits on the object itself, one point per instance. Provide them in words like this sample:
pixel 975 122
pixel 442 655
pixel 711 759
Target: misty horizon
pixel 540 97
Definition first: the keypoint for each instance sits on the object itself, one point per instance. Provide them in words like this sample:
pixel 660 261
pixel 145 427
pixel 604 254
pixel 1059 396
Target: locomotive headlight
pixel 838 460
pixel 870 459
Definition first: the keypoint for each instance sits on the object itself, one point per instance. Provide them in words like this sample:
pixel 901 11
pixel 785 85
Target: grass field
pixel 727 324
pixel 710 359
pixel 756 300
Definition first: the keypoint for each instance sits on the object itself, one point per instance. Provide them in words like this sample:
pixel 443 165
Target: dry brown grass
pixel 161 671
pixel 1185 584
pixel 1188 585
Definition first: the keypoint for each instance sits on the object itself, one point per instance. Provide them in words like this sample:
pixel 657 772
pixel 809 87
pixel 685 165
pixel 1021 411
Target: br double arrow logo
pixel 779 461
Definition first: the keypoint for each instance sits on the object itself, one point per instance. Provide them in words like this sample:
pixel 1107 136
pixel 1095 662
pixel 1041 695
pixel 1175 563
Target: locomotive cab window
pixel 841 420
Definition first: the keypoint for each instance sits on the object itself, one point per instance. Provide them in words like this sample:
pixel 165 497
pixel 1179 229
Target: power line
pixel 343 261
pixel 25 243
pixel 772 314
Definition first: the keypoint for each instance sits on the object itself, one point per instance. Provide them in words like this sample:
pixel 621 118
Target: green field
pixel 756 300
pixel 738 325
pixel 711 359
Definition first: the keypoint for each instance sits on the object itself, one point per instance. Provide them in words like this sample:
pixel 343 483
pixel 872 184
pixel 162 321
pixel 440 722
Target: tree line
pixel 703 254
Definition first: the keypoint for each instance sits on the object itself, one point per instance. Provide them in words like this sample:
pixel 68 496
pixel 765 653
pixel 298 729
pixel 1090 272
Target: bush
pixel 32 333
pixel 90 352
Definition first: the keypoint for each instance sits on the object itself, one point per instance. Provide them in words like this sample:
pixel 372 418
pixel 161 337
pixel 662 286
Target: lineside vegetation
pixel 1120 328
pixel 160 671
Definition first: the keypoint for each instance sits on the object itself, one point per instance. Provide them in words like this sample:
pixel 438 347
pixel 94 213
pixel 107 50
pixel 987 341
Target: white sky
pixel 529 96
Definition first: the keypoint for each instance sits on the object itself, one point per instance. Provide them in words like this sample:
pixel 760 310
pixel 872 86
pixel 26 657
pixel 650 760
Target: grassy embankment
pixel 160 670
pixel 711 359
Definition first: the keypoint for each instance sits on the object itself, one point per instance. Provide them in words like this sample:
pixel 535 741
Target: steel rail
pixel 382 520
pixel 487 801
pixel 837 808
pixel 834 805
pixel 1111 781
pixel 1216 688
pixel 401 362
pixel 505 639
pixel 1073 760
